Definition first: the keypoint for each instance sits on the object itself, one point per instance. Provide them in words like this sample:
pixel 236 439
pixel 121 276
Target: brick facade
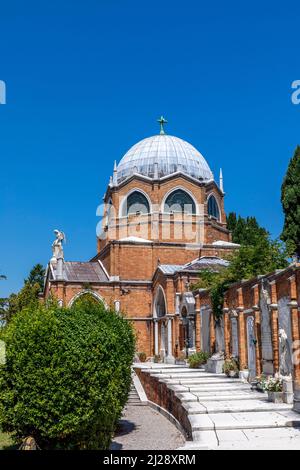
pixel 131 249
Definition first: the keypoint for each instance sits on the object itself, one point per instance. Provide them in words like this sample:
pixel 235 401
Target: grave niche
pixel 266 337
pixel 234 338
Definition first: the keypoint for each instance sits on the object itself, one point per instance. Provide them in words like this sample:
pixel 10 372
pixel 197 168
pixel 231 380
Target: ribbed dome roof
pixel 170 153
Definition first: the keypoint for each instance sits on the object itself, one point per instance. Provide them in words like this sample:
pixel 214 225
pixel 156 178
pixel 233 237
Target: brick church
pixel 163 222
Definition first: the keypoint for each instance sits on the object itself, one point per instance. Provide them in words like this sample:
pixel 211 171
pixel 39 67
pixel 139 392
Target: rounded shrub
pixel 198 359
pixel 67 375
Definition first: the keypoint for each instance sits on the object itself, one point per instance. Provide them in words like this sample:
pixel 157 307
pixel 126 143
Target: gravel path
pixel 143 428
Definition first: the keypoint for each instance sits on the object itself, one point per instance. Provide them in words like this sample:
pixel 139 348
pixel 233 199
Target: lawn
pixel 5 441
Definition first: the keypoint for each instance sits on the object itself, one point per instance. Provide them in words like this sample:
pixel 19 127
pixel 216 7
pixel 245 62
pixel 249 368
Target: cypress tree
pixel 290 199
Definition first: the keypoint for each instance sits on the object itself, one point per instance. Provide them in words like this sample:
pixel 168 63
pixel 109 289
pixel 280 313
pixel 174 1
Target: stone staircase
pixel 133 398
pixel 223 413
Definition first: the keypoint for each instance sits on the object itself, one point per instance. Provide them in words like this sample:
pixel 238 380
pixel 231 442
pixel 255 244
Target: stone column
pixel 226 331
pixel 191 321
pixel 241 330
pixel 257 325
pixel 156 346
pixel 274 325
pixel 170 357
pixel 212 333
pixel 162 339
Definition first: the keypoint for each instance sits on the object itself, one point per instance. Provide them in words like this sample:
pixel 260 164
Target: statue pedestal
pixel 244 375
pixel 215 364
pixel 297 399
pixel 288 392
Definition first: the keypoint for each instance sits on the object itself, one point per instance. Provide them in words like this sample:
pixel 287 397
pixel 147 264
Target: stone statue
pixel 265 295
pixel 219 348
pixel 57 246
pixel 285 356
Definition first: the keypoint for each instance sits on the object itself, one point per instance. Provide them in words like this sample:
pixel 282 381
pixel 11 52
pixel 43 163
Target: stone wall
pixel 164 396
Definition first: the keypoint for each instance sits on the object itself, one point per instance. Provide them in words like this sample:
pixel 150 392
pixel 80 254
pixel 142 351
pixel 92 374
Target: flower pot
pixel 275 397
pixel 244 375
pixel 233 374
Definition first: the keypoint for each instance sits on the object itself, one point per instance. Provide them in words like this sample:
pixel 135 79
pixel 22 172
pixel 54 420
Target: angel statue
pixel 285 354
pixel 57 245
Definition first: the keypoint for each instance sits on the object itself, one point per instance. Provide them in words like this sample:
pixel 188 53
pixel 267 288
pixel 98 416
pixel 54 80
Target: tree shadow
pixel 124 427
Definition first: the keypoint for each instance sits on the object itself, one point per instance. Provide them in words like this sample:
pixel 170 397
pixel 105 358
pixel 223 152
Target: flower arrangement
pixel 260 382
pixel 231 367
pixel 273 384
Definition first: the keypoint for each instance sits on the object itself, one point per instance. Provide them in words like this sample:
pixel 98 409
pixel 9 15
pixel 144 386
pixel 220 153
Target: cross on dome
pixel 162 121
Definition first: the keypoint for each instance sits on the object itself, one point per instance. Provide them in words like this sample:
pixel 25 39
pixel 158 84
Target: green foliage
pixel 290 199
pixel 198 359
pixel 262 258
pixel 26 297
pixel 67 375
pixel 258 254
pixel 245 231
pixel 3 303
pixel 36 276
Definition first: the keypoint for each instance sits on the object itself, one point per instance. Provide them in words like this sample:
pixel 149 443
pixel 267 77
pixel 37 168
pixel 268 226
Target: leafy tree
pixel 245 231
pixel 258 254
pixel 36 276
pixel 3 303
pixel 290 199
pixel 67 375
pixel 26 297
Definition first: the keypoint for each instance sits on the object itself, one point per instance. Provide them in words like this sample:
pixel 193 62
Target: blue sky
pixel 87 79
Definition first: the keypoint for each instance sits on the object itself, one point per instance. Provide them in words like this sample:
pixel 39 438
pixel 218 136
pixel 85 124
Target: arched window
pixel 160 304
pixel 213 208
pixel 180 201
pixel 137 203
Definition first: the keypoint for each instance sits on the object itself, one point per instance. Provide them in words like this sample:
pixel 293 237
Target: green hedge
pixel 198 359
pixel 67 375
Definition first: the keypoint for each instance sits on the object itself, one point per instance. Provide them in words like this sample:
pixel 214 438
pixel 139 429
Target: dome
pixel 171 155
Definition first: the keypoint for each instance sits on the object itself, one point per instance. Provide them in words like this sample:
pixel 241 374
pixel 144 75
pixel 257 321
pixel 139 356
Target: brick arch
pixel 159 292
pixel 85 292
pixel 125 197
pixel 184 189
pixel 209 196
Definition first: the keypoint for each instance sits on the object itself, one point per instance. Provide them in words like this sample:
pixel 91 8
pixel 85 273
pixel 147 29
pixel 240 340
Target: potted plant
pixel 156 359
pixel 197 359
pixel 231 367
pixel 142 356
pixel 260 383
pixel 181 359
pixel 274 387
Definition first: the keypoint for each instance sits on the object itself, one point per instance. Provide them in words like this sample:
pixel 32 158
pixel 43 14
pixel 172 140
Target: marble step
pixel 200 380
pixel 240 406
pixel 245 420
pixel 234 397
pixel 216 396
pixel 217 387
